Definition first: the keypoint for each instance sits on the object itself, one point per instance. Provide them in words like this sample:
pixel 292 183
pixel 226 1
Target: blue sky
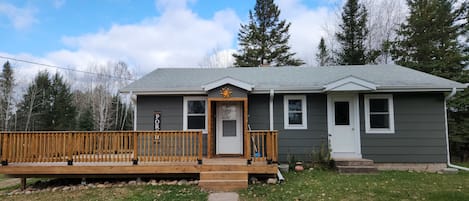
pixel 145 34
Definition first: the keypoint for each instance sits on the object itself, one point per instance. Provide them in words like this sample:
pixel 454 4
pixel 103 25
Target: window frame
pixel 368 129
pixel 185 111
pixel 286 112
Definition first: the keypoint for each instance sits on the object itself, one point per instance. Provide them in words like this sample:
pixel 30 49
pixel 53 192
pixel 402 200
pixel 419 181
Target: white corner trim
pixel 271 109
pixel 304 110
pixel 228 80
pixel 368 128
pixel 185 110
pixel 350 83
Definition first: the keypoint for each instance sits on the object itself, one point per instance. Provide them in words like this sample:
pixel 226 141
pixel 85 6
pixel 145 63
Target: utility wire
pixel 62 68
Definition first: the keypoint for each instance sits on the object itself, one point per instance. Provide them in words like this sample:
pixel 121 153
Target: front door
pixel 343 123
pixel 229 126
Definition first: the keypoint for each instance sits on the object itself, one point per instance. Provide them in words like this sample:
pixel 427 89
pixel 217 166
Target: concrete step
pixel 357 169
pixel 353 162
pixel 224 175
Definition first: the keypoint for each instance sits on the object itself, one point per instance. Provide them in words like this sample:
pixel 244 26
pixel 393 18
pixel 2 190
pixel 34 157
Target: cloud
pixel 308 25
pixel 20 18
pixel 177 38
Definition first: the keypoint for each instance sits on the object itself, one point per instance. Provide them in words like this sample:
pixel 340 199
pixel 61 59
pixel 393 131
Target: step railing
pixel 264 145
pixel 108 146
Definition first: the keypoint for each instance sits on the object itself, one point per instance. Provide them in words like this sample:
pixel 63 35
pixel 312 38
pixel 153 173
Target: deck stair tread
pixel 221 180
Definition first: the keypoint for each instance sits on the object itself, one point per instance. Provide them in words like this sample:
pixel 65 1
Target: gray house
pixel 387 113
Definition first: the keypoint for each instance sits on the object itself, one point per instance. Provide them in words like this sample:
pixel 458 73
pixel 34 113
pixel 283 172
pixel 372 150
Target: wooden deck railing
pixel 264 145
pixel 112 146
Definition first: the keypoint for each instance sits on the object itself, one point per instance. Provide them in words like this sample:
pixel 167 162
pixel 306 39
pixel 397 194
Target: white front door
pixel 343 124
pixel 229 127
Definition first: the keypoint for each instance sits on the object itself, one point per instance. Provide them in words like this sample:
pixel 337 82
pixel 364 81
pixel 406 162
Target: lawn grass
pixel 388 185
pixel 464 164
pixel 143 192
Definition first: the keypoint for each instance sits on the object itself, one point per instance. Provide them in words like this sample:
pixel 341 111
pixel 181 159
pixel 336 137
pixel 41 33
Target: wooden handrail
pixel 108 146
pixel 264 145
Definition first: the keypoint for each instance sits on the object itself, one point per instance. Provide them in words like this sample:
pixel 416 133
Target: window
pixel 295 112
pixel 341 113
pixel 379 113
pixel 195 113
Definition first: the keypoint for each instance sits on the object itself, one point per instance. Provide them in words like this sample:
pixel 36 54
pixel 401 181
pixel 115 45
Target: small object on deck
pixel 269 161
pixel 5 162
pixel 199 161
pixel 23 183
pixel 70 162
pixel 135 161
pixel 249 161
pixel 83 181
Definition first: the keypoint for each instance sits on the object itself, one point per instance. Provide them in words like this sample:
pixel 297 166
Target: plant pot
pixel 299 166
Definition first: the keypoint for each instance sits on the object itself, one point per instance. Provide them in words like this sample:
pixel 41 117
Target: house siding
pixel 300 143
pixel 419 137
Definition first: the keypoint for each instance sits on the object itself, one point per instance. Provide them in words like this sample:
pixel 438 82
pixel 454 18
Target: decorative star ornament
pixel 226 92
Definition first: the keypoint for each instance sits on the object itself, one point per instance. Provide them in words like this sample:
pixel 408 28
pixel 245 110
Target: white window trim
pixel 185 110
pixel 303 110
pixel 368 128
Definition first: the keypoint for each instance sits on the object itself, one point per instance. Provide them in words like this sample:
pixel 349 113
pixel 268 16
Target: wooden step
pixel 223 180
pixel 224 161
pixel 357 169
pixel 353 162
pixel 224 175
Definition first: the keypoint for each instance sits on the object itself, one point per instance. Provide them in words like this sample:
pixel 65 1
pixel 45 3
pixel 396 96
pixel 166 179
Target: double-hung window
pixel 195 113
pixel 379 113
pixel 295 112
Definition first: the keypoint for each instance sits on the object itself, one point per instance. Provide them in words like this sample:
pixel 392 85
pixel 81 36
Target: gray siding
pixel 419 120
pixel 258 108
pixel 169 106
pixel 301 143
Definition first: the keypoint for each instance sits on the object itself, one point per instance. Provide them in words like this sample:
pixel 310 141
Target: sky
pixel 79 34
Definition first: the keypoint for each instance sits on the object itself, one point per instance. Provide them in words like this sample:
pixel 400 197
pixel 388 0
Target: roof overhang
pixel 350 83
pixel 228 80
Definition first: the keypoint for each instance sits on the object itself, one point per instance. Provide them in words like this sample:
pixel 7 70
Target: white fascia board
pixel 228 80
pixel 350 83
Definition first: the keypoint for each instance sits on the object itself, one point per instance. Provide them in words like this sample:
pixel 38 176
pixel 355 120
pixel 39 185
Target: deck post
pixel 247 134
pixel 70 146
pixel 135 157
pixel 23 183
pixel 5 149
pixel 200 148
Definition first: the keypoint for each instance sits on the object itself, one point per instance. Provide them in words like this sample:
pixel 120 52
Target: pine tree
pixel 323 58
pixel 352 36
pixel 428 40
pixel 62 111
pixel 86 122
pixel 264 40
pixel 6 95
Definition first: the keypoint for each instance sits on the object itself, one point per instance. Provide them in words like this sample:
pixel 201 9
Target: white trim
pixel 228 80
pixel 368 128
pixel 185 110
pixel 134 102
pixel 350 83
pixel 330 124
pixel 271 110
pixel 304 110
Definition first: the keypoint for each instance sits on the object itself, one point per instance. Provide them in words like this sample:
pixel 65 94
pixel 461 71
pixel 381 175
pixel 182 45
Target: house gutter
pixel 449 96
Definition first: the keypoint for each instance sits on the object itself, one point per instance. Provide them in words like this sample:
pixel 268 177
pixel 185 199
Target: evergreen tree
pixel 352 36
pixel 323 58
pixel 428 40
pixel 62 112
pixel 264 40
pixel 86 121
pixel 6 96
